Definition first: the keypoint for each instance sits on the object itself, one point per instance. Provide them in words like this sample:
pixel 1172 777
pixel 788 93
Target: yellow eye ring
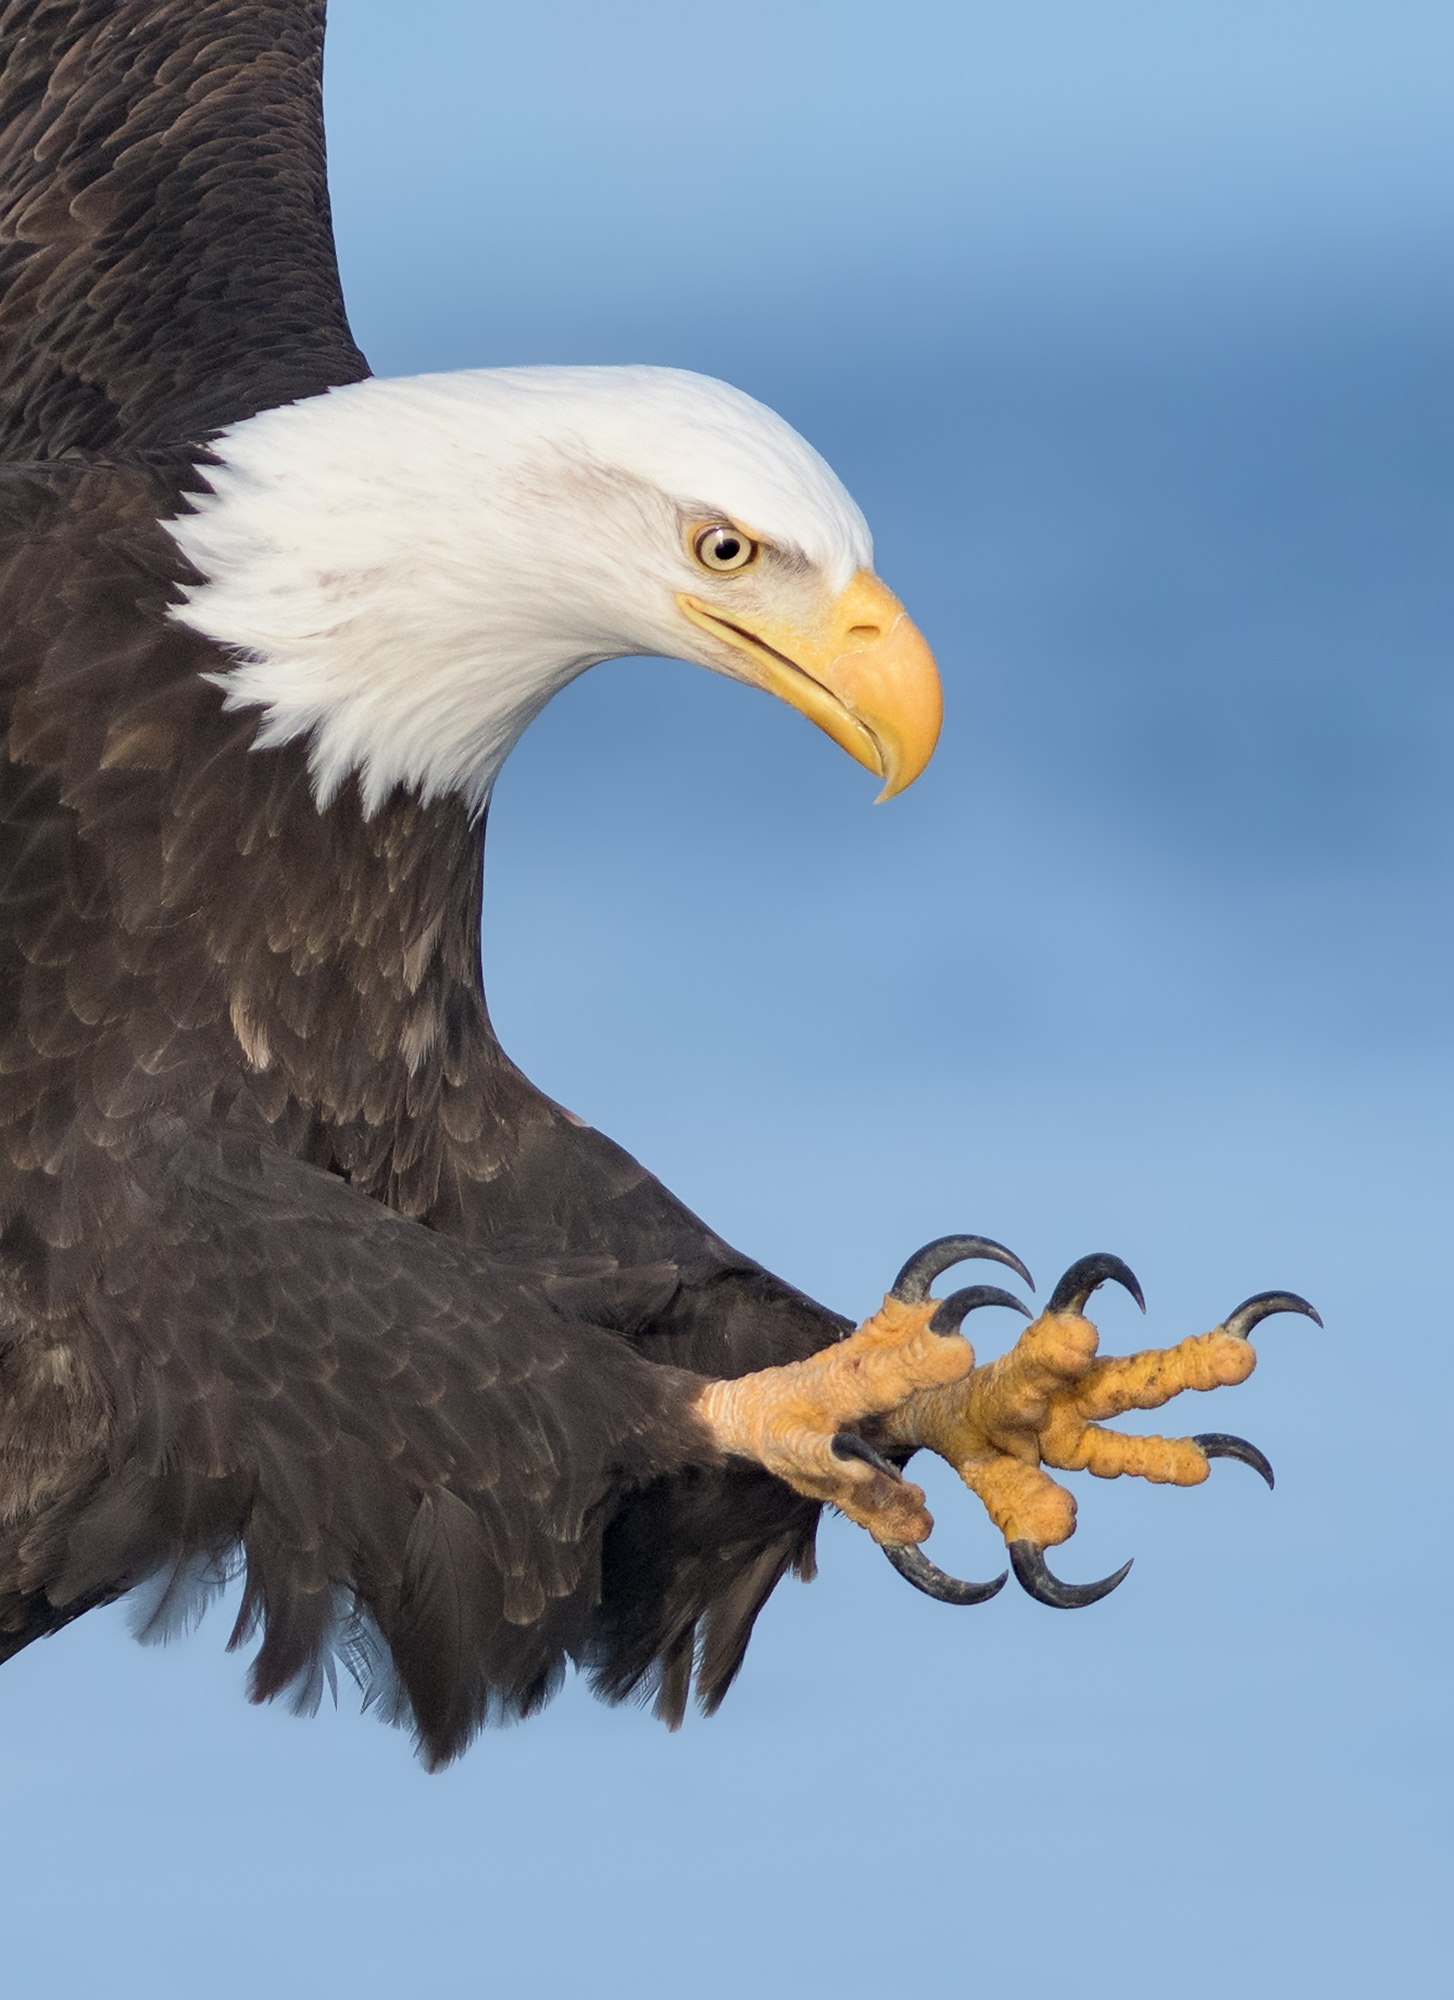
pixel 722 547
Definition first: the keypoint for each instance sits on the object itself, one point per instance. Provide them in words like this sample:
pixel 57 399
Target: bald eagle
pixel 301 1279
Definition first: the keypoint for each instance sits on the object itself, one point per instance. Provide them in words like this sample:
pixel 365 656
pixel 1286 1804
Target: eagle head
pixel 405 571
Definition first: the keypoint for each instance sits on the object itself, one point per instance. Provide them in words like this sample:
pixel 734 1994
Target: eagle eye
pixel 721 547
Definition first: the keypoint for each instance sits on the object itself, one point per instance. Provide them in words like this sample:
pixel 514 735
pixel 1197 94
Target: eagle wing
pixel 412 1445
pixel 400 1330
pixel 166 247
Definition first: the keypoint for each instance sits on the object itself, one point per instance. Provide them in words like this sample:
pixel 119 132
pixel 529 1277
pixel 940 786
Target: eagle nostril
pixel 867 633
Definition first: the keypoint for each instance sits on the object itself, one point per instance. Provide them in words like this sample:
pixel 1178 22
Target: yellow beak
pixel 866 677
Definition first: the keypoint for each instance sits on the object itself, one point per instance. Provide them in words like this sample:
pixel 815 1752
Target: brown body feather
pixel 293 1261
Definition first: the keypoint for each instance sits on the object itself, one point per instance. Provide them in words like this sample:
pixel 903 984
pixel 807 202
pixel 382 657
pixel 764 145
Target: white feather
pixel 406 571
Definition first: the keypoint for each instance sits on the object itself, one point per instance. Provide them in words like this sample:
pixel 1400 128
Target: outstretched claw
pixel 1222 1444
pixel 1239 1324
pixel 906 1558
pixel 913 1282
pixel 915 1567
pixel 1261 1306
pixel 958 1306
pixel 1087 1275
pixel 1032 1575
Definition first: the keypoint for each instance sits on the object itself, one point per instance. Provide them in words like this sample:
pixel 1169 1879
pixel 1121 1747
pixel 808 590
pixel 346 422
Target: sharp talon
pixel 1221 1444
pixel 1261 1306
pixel 915 1567
pixel 1083 1277
pixel 846 1445
pixel 1029 1560
pixel 952 1314
pixel 912 1284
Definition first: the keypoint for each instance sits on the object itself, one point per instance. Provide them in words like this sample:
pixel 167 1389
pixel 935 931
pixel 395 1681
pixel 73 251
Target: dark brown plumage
pixel 293 1261
pixel 166 249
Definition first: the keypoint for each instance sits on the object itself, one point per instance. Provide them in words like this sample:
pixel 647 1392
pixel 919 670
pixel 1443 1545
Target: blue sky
pixel 1127 324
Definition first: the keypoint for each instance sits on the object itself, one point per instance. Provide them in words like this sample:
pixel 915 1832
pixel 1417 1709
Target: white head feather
pixel 406 571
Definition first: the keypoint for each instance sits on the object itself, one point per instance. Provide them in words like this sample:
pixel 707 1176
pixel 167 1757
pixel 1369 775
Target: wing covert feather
pixel 166 244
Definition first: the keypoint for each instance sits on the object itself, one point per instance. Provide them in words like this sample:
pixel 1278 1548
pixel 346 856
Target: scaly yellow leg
pixel 787 1418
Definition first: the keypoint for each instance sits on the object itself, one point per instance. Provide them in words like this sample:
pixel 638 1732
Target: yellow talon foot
pixel 907 1378
pixel 1041 1405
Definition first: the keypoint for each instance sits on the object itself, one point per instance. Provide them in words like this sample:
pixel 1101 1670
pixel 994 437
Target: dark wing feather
pixel 378 1416
pixel 687 1564
pixel 166 248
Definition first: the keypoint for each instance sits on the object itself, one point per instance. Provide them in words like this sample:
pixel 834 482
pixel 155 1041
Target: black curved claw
pixel 915 1567
pixel 1083 1277
pixel 909 1561
pixel 847 1445
pixel 912 1284
pixel 1033 1576
pixel 956 1308
pixel 1261 1306
pixel 1221 1444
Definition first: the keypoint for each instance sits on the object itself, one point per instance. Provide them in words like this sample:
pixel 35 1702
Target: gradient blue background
pixel 1127 324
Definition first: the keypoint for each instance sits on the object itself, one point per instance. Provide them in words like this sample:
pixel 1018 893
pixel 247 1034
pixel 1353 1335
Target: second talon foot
pixel 1044 1406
